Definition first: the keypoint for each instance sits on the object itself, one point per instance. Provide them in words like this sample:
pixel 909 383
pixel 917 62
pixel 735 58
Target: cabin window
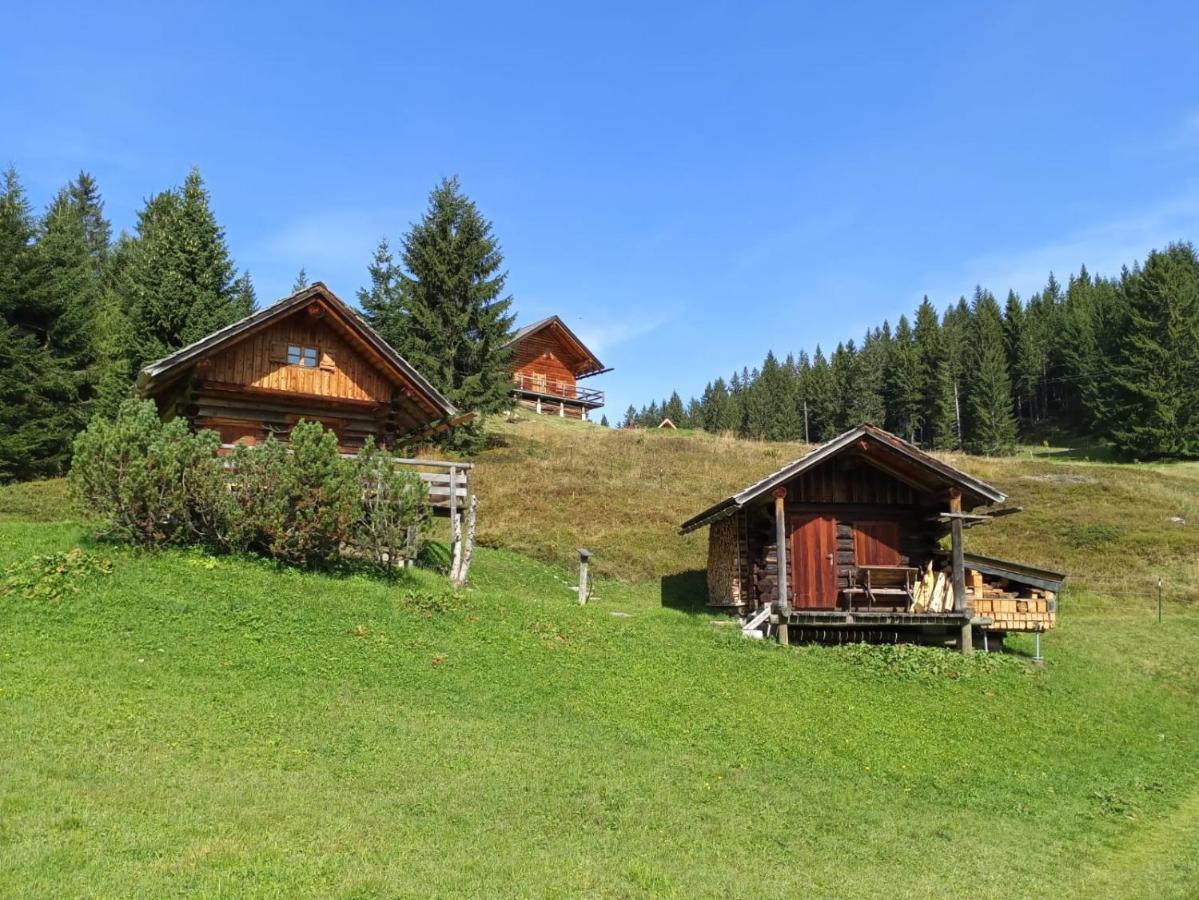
pixel 298 355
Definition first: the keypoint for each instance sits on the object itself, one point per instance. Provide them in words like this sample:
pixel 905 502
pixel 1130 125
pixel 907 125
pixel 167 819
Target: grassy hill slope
pixel 551 485
pixel 189 724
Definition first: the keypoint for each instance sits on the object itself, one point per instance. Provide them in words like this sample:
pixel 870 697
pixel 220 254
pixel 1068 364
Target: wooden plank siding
pixel 260 361
pixel 879 520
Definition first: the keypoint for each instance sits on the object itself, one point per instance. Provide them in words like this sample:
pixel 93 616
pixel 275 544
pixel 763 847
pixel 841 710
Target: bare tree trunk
pixel 462 572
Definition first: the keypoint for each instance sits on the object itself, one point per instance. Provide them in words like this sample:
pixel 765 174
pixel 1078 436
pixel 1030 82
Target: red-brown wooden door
pixel 876 543
pixel 814 562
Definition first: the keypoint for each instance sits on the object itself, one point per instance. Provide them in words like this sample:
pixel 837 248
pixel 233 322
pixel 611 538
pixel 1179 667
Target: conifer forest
pixel 1113 358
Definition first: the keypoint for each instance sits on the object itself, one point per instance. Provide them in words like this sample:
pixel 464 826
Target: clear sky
pixel 687 185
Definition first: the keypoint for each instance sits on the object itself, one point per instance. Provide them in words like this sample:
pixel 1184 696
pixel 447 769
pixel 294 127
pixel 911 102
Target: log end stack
pixel 1011 607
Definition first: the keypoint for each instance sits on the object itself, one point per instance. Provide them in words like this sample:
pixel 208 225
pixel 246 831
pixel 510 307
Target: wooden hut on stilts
pixel 862 539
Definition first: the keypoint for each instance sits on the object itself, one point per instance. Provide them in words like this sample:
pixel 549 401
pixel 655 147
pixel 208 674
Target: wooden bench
pixel 874 582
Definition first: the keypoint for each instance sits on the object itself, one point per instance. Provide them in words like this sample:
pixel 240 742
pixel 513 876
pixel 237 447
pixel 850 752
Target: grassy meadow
pixel 175 723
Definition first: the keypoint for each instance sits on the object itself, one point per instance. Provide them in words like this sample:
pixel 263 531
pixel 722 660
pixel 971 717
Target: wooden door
pixel 876 543
pixel 814 562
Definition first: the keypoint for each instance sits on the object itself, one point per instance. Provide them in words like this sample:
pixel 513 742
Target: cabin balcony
pixel 539 387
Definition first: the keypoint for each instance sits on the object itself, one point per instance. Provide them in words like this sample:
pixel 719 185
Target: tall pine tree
pixel 181 280
pixel 1156 371
pixel 444 309
pixel 991 426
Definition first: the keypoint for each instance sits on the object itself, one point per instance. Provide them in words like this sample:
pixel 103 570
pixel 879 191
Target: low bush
pixel 157 484
pixel 394 510
pixel 52 577
pixel 297 502
pixel 149 482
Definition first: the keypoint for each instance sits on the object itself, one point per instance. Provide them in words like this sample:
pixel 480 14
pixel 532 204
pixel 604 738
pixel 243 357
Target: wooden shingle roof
pixel 160 373
pixel 886 449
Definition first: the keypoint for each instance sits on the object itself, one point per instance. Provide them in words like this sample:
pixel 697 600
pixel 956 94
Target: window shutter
pixel 328 364
pixel 279 353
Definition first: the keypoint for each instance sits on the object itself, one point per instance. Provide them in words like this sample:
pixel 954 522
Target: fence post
pixel 584 558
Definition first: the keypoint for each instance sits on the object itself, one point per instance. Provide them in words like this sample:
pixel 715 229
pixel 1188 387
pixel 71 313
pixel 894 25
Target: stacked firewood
pixel 933 592
pixel 1011 607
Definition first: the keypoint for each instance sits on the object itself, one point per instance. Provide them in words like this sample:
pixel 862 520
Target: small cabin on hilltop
pixel 548 362
pixel 862 539
pixel 309 356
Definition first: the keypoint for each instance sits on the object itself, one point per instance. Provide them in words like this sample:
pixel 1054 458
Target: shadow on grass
pixel 686 591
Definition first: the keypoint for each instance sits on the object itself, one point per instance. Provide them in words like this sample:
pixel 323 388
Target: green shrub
pixel 394 510
pixel 149 482
pixel 299 501
pixel 155 483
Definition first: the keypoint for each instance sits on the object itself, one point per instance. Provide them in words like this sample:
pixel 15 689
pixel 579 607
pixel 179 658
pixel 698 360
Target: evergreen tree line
pixel 1113 358
pixel 82 312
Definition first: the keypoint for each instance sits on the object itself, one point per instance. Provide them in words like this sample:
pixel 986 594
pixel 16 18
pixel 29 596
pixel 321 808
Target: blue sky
pixel 687 185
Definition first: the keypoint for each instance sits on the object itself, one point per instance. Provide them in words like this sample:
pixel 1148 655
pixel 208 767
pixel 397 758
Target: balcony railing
pixel 540 385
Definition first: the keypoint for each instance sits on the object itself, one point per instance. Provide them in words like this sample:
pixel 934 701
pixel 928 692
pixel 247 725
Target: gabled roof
pixel 1022 573
pixel 162 372
pixel 974 492
pixel 592 364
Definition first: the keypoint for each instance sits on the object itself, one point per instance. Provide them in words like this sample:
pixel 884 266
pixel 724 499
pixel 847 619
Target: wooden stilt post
pixel 455 526
pixel 780 537
pixel 584 559
pixel 966 641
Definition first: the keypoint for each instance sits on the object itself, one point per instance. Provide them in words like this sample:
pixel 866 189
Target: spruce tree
pixel 444 309
pixel 630 416
pixel 864 392
pixel 723 418
pixel 823 402
pixel 673 409
pixel 183 283
pixel 992 427
pixel 1014 339
pixel 604 421
pixel 85 197
pixel 843 366
pixel 905 383
pixel 1156 370
pixel 301 281
pixel 926 334
pixel 114 341
pixel 950 403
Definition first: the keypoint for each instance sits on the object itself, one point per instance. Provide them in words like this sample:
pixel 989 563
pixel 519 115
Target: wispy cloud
pixel 1103 248
pixel 1185 135
pixel 603 337
pixel 333 238
pixel 789 240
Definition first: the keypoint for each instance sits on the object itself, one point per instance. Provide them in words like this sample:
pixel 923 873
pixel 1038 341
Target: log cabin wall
pixel 851 491
pixel 251 390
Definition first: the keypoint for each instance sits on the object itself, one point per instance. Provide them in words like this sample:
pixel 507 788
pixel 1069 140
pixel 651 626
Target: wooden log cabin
pixel 548 362
pixel 309 356
pixel 861 539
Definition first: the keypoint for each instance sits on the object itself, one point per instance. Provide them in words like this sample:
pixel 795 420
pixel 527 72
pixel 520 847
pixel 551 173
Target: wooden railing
pixel 557 389
pixel 448 482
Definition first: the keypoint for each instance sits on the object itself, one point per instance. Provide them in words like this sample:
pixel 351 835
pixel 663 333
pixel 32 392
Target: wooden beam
pixel 780 536
pixel 959 569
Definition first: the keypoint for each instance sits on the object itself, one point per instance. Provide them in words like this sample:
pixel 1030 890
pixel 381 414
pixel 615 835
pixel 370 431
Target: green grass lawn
pixel 191 725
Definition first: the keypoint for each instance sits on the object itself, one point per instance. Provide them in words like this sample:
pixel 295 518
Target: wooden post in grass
pixel 462 573
pixel 584 558
pixel 780 537
pixel 966 642
pixel 455 527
